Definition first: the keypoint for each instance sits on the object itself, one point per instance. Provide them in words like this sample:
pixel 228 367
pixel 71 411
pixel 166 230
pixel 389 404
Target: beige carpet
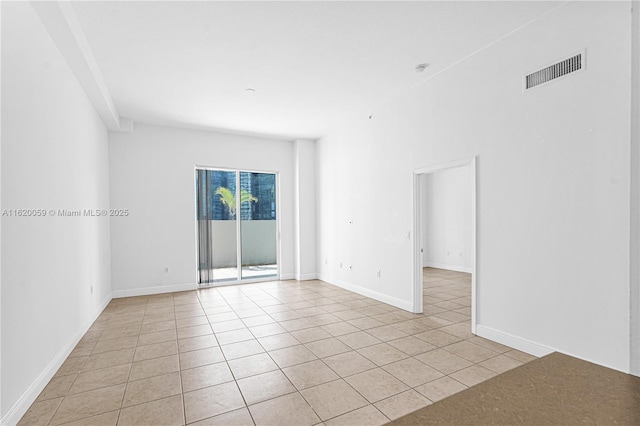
pixel 554 390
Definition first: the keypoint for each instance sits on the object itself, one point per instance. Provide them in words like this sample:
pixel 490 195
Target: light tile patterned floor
pixel 272 353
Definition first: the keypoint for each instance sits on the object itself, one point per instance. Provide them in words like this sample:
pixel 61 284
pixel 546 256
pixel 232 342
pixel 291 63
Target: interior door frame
pixel 239 280
pixel 417 232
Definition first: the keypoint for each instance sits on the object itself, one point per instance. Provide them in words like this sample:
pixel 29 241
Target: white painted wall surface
pixel 635 190
pixel 552 184
pixel 305 209
pixel 446 198
pixel 54 156
pixel 1 409
pixel 152 175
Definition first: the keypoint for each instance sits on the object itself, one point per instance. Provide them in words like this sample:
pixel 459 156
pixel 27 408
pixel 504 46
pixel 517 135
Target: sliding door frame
pixel 239 279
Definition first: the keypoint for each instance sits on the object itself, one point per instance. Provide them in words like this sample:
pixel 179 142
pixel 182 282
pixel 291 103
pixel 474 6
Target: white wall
pixel 305 209
pixel 152 175
pixel 635 191
pixel 446 198
pixel 54 156
pixel 2 410
pixel 552 184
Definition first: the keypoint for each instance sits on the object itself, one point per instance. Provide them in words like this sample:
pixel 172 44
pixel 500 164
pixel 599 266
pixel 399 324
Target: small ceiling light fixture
pixel 421 67
pixel 250 91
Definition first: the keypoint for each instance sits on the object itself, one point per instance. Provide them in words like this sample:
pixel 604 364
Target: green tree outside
pixel 228 198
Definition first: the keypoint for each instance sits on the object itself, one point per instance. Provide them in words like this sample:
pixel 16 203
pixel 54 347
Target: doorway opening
pixel 445 241
pixel 236 226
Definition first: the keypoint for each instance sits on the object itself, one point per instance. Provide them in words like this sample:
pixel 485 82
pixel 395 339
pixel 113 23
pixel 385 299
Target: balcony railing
pixel 259 245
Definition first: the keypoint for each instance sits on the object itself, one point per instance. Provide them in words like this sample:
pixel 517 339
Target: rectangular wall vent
pixel 557 70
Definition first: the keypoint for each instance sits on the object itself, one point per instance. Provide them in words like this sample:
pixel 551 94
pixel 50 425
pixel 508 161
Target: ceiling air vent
pixel 555 71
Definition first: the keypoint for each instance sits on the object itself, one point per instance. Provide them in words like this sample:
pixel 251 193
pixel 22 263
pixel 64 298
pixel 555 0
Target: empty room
pixel 319 213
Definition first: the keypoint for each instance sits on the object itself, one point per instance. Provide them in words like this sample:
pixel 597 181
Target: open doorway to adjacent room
pixel 445 244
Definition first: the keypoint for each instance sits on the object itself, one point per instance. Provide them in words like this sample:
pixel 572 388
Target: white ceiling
pixel 314 65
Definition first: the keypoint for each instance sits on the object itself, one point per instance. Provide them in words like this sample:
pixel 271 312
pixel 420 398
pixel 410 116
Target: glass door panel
pixel 258 225
pixel 217 225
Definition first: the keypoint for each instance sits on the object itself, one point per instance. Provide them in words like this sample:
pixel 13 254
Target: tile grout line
pixel 228 366
pixel 182 401
pixel 279 369
pixel 311 307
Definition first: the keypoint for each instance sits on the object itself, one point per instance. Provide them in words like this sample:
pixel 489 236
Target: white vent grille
pixel 557 70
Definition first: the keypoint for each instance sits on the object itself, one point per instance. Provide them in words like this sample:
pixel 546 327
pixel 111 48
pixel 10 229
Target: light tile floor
pixel 273 353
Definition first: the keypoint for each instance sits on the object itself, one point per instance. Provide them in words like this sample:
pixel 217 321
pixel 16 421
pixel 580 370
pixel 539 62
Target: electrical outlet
pixel 341 264
pixel 351 267
pixel 166 269
pixel 378 274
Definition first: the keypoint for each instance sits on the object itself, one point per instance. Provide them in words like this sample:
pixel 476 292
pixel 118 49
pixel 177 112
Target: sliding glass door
pixel 258 229
pixel 236 225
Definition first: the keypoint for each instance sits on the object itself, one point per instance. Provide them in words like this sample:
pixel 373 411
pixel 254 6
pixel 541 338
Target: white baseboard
pixel 146 291
pixel 381 297
pixel 285 277
pixel 533 348
pixel 307 277
pixel 456 268
pixel 512 341
pixel 15 413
